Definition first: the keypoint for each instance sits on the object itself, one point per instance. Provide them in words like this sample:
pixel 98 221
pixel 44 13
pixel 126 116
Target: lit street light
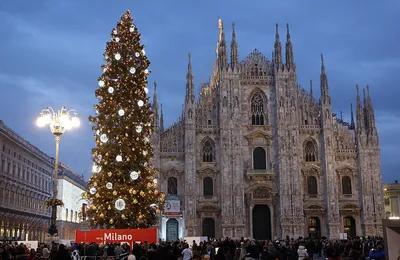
pixel 59 122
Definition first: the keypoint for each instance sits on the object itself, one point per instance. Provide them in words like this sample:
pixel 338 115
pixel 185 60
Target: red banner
pixel 117 235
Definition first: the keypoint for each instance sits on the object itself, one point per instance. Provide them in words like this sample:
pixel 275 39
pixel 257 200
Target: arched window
pixel 208 186
pixel 207 152
pixel 172 186
pixel 312 185
pixel 346 185
pixel 257 110
pixel 310 151
pixel 259 159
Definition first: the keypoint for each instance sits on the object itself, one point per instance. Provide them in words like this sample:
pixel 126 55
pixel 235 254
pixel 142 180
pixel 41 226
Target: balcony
pixel 313 197
pixel 207 199
pixel 347 197
pixel 260 175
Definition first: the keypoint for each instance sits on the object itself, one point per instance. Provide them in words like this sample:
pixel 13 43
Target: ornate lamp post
pixel 59 122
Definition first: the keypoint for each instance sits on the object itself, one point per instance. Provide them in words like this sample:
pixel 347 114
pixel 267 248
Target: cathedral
pixel 258 156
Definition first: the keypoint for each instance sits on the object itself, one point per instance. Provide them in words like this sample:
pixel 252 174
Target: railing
pixel 347 197
pixel 123 256
pixel 258 172
pixel 313 197
pixel 309 127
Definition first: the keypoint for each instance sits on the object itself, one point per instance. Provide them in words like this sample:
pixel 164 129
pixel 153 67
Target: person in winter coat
pixel 302 252
pixel 131 257
pixel 379 254
pixel 75 253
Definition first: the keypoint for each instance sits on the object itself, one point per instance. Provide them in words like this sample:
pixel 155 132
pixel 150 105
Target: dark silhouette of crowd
pixel 222 249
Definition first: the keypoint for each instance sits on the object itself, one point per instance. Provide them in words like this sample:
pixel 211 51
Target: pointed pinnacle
pixel 189 63
pixel 288 33
pixel 322 64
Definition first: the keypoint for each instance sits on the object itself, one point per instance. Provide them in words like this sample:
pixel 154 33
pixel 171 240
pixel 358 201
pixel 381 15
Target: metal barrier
pixel 123 256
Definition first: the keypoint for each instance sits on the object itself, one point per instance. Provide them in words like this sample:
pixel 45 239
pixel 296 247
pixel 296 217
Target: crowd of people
pixel 222 249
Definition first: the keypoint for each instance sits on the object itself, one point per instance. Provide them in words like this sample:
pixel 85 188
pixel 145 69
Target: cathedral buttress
pixel 369 168
pixel 189 114
pixel 327 142
pixel 157 131
pixel 287 149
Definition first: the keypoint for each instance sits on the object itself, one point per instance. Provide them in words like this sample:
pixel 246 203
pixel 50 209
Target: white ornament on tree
pixel 120 204
pixel 132 29
pixel 103 138
pixel 117 56
pixel 110 90
pixel 92 190
pixel 134 175
pixel 101 83
pixel 118 158
pixel 137 54
pixel 146 71
pixel 109 185
pixel 132 70
pixel 139 128
pixel 143 52
pixel 146 90
pixel 96 168
pixel 121 112
pixel 140 103
pixel 117 39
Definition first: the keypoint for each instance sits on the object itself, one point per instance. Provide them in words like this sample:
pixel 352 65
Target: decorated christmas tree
pixel 123 188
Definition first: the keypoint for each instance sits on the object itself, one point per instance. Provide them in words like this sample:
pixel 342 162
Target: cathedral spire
pixel 289 51
pixel 161 120
pixel 222 58
pixel 234 49
pixel 155 106
pixel 311 90
pixel 189 82
pixel 352 124
pixel 277 50
pixel 324 82
pixel 359 114
pixel 370 114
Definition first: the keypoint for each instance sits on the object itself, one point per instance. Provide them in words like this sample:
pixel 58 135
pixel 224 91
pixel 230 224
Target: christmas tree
pixel 123 188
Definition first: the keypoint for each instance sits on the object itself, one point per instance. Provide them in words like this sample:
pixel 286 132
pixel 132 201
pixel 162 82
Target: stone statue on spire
pixel 221 31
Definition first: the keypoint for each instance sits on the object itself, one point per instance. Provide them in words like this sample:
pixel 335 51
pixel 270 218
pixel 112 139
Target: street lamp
pixel 59 122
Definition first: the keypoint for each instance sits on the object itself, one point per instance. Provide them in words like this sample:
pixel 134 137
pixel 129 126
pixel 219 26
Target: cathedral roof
pixel 256 64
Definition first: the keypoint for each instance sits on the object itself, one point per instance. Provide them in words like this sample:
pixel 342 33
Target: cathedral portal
pixel 261 222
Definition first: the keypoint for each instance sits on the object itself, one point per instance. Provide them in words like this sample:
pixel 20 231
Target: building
pixel 392 200
pixel 256 155
pixel 26 182
pixel 26 177
pixel 71 186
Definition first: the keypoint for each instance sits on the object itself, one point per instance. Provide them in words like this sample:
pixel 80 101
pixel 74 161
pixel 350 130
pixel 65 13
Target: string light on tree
pixel 123 129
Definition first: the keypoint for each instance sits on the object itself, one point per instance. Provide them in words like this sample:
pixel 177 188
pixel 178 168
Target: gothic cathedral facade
pixel 258 156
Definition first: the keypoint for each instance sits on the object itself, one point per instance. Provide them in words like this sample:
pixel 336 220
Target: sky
pixel 51 52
